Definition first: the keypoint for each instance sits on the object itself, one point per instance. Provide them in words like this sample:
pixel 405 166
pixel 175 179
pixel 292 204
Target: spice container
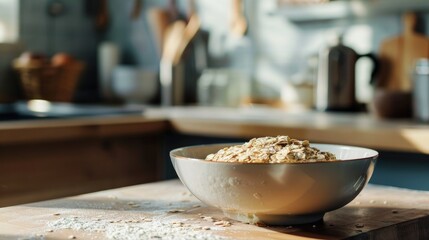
pixel 421 90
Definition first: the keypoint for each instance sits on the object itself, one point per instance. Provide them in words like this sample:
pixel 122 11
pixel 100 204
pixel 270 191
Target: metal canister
pixel 421 90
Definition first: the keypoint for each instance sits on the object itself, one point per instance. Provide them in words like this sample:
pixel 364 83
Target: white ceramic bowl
pixel 279 193
pixel 134 85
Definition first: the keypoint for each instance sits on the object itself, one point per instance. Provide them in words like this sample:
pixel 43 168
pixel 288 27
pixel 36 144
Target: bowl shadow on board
pixel 359 222
pixel 149 206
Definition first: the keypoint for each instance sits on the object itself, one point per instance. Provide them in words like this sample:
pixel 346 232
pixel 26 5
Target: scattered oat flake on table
pixel 160 228
pixel 222 223
pixel 176 211
pixel 359 225
pixel 210 219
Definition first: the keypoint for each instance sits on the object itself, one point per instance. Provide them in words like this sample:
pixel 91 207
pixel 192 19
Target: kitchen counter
pixel 342 128
pixel 30 131
pixel 358 129
pixel 166 210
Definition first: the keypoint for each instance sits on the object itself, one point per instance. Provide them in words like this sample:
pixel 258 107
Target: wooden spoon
pixel 102 18
pixel 179 41
pixel 190 31
pixel 173 40
pixel 159 21
pixel 238 20
pixel 137 9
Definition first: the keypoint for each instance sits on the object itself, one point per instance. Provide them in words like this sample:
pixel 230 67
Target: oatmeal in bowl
pixel 274 180
pixel 280 149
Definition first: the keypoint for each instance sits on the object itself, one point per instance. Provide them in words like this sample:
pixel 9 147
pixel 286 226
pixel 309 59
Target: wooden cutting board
pixel 398 55
pixel 168 209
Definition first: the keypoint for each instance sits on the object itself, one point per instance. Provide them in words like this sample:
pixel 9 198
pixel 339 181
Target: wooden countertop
pixel 340 128
pixel 167 210
pixel 26 131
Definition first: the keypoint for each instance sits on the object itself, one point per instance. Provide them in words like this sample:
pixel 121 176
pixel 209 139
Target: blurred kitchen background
pixel 269 50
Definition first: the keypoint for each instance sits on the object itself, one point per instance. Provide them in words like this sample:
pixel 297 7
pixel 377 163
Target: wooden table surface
pixel 166 210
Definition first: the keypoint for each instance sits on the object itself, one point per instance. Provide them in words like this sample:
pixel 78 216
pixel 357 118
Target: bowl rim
pixel 173 154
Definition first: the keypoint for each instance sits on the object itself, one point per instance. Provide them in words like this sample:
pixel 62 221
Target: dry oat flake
pixel 280 149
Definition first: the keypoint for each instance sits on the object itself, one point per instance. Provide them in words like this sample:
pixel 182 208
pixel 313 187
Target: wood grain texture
pixel 14 132
pixel 39 171
pixel 377 213
pixel 398 56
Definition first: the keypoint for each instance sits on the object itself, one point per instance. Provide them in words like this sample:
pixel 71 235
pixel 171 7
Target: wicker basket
pixel 53 83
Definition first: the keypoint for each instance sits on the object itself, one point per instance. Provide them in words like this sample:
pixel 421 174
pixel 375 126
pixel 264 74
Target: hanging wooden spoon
pixel 136 10
pixel 238 20
pixel 102 18
pixel 190 31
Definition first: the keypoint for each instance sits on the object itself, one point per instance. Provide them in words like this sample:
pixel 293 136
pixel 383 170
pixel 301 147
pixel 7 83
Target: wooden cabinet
pixel 37 171
pixel 115 154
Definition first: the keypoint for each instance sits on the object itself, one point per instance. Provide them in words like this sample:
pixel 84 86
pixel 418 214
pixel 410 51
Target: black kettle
pixel 335 85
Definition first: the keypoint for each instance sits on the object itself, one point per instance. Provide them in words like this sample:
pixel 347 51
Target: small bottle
pixel 421 90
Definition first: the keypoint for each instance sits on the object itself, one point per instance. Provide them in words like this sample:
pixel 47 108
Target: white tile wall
pixel 281 48
pixel 274 52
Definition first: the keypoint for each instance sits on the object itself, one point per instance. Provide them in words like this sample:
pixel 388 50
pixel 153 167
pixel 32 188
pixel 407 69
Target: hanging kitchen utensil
pixel 199 39
pixel 109 56
pixel 240 47
pixel 178 37
pixel 194 53
pixel 238 44
pixel 398 54
pixel 159 20
pixel 136 10
pixel 238 20
pixel 102 17
pixel 189 33
pixel 238 27
pixel 174 11
pixel 172 88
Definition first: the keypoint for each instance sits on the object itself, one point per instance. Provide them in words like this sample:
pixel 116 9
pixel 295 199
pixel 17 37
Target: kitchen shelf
pixel 349 9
